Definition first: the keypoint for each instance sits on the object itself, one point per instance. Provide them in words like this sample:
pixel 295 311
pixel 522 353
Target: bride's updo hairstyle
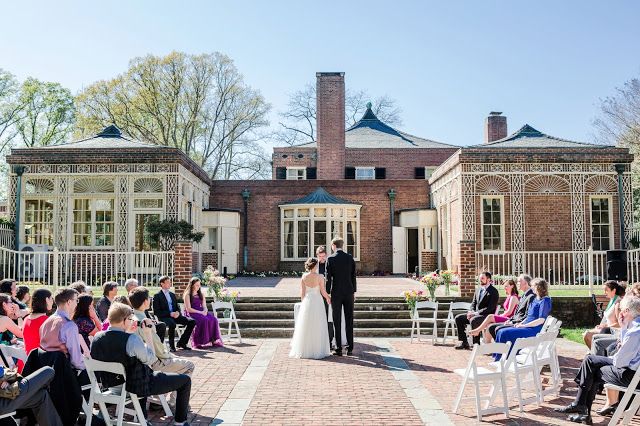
pixel 310 264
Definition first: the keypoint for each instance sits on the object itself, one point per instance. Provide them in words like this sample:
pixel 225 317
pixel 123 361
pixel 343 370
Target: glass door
pixel 141 239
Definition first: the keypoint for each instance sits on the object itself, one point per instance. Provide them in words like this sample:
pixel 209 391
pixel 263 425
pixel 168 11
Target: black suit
pixel 341 284
pixel 322 270
pixel 162 311
pixel 482 306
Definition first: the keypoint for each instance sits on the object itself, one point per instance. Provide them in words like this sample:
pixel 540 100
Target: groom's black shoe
pixel 337 352
pixel 349 352
pixel 463 345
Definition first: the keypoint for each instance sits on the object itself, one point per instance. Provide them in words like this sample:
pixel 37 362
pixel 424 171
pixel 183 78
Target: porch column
pixel 182 265
pixel 467 269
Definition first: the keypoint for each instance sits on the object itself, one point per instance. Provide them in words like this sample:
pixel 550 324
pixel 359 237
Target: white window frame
pixel 370 173
pixel 609 199
pixel 428 171
pixel 92 197
pixel 39 199
pixel 428 241
pixel 502 222
pixel 311 218
pixel 297 175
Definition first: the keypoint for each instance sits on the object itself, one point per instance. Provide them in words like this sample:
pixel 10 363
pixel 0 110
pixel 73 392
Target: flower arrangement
pixel 432 281
pixel 449 277
pixel 228 295
pixel 214 281
pixel 411 297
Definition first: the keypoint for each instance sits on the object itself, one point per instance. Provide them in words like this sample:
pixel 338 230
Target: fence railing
pixel 59 268
pixel 567 268
pixel 7 236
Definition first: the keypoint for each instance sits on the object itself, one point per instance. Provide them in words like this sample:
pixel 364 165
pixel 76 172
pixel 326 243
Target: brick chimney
pixel 330 124
pixel 495 127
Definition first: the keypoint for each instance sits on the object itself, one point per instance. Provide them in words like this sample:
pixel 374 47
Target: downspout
pixel 245 248
pixel 18 170
pixel 620 168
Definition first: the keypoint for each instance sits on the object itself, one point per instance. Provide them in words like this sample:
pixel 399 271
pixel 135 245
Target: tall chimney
pixel 495 127
pixel 330 124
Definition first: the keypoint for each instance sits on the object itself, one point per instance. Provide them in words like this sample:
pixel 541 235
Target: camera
pixel 144 324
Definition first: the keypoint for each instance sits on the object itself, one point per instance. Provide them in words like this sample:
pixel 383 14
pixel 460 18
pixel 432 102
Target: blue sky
pixel 447 64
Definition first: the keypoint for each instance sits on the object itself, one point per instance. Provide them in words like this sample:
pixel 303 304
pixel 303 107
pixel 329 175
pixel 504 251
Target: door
pixel 412 249
pixel 229 250
pixel 399 238
pixel 141 239
pixel 144 263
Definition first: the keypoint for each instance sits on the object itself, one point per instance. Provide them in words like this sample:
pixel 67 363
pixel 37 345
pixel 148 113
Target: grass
pixel 573 334
pixel 553 291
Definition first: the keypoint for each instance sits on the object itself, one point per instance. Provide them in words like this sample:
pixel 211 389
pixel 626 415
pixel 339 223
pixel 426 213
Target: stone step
pixel 357 323
pixel 359 332
pixel 282 306
pixel 252 315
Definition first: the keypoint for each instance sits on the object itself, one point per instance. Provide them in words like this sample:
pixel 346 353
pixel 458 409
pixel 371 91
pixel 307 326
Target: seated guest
pixel 120 299
pixel 615 293
pixel 109 292
pixel 121 344
pixel 484 303
pixel 130 284
pixel 10 287
pixel 82 318
pixel 9 329
pixel 165 306
pixel 33 396
pixel 618 370
pixel 166 362
pixel 59 332
pixel 207 329
pixel 41 305
pixel 81 287
pixel 536 315
pixel 161 328
pixel 524 284
pixel 23 295
pixel 510 304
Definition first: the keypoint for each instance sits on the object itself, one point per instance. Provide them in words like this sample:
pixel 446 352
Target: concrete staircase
pixel 373 317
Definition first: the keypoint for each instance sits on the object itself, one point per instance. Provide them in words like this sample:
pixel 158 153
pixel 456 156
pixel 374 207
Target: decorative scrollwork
pixel 492 185
pixel 39 186
pixel 601 185
pixel 148 186
pixel 93 185
pixel 547 184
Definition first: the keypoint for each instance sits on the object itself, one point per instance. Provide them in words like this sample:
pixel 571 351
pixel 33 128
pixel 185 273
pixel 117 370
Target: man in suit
pixel 321 255
pixel 161 328
pixel 520 314
pixel 484 303
pixel 165 307
pixel 341 285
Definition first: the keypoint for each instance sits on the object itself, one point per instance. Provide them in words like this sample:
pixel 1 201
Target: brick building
pixel 401 202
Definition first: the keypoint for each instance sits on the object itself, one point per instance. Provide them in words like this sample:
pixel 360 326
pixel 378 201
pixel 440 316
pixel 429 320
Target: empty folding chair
pixel 629 391
pixel 523 364
pixel 232 320
pixel 450 322
pixel 431 317
pixel 546 354
pixel 478 375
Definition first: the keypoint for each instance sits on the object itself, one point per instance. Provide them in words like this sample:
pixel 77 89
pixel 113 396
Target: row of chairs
pixel 430 317
pixel 524 360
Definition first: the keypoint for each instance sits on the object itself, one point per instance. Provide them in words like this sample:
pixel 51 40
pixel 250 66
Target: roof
pixel 111 137
pixel 528 137
pixel 319 196
pixel 371 132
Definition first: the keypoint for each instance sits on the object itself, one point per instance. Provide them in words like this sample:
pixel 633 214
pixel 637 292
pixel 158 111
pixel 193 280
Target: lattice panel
pixel 172 197
pixel 123 215
pixel 628 208
pixel 517 217
pixel 13 183
pixel 468 208
pixel 578 227
pixel 62 202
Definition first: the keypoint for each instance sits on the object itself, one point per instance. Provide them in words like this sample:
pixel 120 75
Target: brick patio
pixel 387 381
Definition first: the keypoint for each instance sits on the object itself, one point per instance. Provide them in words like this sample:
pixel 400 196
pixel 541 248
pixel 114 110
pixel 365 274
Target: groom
pixel 341 285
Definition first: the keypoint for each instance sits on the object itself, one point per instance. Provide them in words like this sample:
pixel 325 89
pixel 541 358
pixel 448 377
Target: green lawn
pixel 573 334
pixel 553 291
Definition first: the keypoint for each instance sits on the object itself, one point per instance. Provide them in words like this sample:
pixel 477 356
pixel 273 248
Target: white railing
pixel 59 268
pixel 633 265
pixel 567 268
pixel 7 235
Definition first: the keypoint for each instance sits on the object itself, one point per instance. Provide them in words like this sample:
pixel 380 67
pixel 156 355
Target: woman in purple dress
pixel 207 330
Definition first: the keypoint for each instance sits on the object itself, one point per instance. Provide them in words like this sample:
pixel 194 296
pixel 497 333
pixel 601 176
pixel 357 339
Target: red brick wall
pixel 495 128
pixel 545 155
pixel 209 259
pixel 467 271
pixel 330 124
pixel 429 261
pixel 293 157
pixel 264 215
pixel 547 222
pixel 182 266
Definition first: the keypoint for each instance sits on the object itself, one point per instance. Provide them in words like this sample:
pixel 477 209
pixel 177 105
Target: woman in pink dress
pixel 510 304
pixel 207 329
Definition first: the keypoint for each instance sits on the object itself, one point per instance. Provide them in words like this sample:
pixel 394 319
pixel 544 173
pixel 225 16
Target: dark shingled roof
pixel 319 196
pixel 528 137
pixel 110 137
pixel 370 132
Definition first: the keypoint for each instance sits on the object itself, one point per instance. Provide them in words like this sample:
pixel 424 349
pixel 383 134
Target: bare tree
pixel 298 121
pixel 620 119
pixel 198 103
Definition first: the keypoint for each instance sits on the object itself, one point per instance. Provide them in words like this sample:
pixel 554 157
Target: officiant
pixel 321 255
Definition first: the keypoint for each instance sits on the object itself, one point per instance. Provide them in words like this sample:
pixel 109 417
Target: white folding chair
pixel 629 391
pixel 180 329
pixel 10 352
pixel 476 375
pixel 232 320
pixel 450 321
pixel 524 367
pixel 111 396
pixel 431 318
pixel 11 416
pixel 546 354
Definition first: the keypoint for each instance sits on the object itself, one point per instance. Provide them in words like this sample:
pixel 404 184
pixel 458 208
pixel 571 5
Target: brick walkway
pixel 387 381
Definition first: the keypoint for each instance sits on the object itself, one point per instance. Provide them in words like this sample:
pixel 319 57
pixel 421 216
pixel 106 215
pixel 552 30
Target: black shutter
pixel 419 172
pixel 281 172
pixel 349 172
pixel 381 173
pixel 311 173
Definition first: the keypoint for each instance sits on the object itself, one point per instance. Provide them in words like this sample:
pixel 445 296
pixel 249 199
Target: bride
pixel 310 336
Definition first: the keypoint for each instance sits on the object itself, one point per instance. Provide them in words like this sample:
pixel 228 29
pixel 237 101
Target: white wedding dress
pixel 310 335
